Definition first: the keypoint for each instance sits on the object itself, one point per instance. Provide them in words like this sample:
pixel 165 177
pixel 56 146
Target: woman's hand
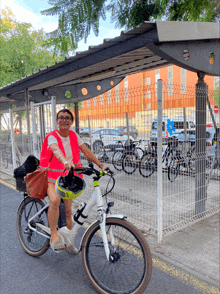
pixel 102 167
pixel 68 165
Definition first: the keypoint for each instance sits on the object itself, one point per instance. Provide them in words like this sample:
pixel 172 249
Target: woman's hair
pixel 65 110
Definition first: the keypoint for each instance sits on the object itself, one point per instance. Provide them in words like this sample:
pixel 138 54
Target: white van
pixel 171 126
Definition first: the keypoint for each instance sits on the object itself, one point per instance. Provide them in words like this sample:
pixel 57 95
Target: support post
pixel 76 110
pixel 90 135
pixel 28 119
pixel 12 138
pixel 159 161
pixel 200 147
pixel 34 129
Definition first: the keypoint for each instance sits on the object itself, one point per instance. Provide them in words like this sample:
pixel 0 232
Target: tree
pixel 22 50
pixel 216 95
pixel 78 17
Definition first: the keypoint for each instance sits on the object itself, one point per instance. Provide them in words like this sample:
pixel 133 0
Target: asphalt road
pixel 55 273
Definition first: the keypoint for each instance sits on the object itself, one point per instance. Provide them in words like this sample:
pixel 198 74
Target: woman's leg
pixel 69 223
pixel 68 209
pixel 53 212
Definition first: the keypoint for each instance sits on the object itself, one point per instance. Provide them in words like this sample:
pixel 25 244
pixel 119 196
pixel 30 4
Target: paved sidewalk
pixel 194 250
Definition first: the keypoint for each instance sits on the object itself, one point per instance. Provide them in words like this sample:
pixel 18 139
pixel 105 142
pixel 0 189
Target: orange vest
pixel 56 168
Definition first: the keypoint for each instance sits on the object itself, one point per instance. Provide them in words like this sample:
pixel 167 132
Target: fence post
pixel 184 122
pixel 127 124
pixel 185 132
pixel 53 110
pixel 159 161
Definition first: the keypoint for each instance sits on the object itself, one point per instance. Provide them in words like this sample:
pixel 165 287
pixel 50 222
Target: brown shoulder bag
pixel 37 182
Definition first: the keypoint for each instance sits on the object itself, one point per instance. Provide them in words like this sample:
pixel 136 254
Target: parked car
pixel 104 137
pixel 170 127
pixel 132 131
pixel 191 136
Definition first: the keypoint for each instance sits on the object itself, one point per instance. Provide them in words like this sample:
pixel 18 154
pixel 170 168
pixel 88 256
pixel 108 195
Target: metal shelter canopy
pixel 152 45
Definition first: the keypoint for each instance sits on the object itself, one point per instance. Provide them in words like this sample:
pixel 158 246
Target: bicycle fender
pixel 96 221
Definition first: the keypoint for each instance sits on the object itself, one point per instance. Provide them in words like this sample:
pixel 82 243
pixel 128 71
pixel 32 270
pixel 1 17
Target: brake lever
pixel 109 171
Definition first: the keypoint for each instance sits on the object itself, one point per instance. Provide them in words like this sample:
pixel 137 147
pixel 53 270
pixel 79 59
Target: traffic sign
pixel 216 109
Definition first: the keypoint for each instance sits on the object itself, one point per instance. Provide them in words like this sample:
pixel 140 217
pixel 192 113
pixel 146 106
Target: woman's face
pixel 64 121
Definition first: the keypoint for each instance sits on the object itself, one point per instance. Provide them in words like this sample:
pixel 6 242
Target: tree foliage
pixel 78 17
pixel 216 94
pixel 22 50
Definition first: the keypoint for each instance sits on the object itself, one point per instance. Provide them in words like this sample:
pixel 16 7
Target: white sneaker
pixel 67 234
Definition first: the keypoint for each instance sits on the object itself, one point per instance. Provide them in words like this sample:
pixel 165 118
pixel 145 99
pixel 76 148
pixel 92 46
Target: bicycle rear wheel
pixel 173 169
pixel 130 269
pixel 32 242
pixel 130 163
pixel 102 156
pixel 117 160
pixel 147 165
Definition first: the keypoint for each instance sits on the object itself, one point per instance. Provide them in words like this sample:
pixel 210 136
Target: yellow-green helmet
pixel 69 188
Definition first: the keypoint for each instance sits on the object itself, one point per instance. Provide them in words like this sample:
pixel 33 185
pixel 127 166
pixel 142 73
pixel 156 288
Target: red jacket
pixel 56 168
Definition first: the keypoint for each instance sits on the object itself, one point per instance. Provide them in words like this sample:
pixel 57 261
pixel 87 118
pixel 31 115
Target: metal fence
pixel 156 177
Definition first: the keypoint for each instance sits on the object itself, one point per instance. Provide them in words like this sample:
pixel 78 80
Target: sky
pixel 29 11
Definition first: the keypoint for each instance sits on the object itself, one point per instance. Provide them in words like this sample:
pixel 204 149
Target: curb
pixel 182 268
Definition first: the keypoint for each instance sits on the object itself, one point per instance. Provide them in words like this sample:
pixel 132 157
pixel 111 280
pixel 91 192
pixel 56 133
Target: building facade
pixel 137 96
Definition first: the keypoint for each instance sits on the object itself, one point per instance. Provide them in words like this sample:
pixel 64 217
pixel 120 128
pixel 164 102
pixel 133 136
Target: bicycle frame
pixel 95 199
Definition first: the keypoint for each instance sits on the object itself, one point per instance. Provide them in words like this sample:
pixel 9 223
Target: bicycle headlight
pixel 67 188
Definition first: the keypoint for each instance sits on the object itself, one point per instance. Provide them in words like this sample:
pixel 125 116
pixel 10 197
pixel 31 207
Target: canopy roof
pixel 152 45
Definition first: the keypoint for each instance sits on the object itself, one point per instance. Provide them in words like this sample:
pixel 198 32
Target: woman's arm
pixel 59 155
pixel 91 156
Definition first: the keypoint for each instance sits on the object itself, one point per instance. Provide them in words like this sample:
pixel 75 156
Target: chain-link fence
pixel 122 128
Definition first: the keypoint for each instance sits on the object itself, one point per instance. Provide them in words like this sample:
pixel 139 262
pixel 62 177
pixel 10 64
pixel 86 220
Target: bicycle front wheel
pixel 31 241
pixel 117 160
pixel 129 271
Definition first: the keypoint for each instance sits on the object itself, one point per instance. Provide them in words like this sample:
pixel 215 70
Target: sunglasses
pixel 67 118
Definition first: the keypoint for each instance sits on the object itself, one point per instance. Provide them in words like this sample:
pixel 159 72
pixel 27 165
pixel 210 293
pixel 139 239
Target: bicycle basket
pixel 20 184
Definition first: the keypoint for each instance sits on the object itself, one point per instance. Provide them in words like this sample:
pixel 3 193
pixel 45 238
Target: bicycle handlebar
pixel 91 170
pixel 98 174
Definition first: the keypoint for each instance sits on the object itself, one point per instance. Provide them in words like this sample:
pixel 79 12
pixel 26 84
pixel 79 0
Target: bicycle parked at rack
pixel 183 154
pixel 115 254
pixel 127 157
pixel 148 162
pixel 102 153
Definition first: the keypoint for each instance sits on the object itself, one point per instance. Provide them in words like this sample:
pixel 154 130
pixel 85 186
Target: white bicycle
pixel 115 254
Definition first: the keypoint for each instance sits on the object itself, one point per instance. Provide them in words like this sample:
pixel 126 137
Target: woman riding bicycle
pixel 60 150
